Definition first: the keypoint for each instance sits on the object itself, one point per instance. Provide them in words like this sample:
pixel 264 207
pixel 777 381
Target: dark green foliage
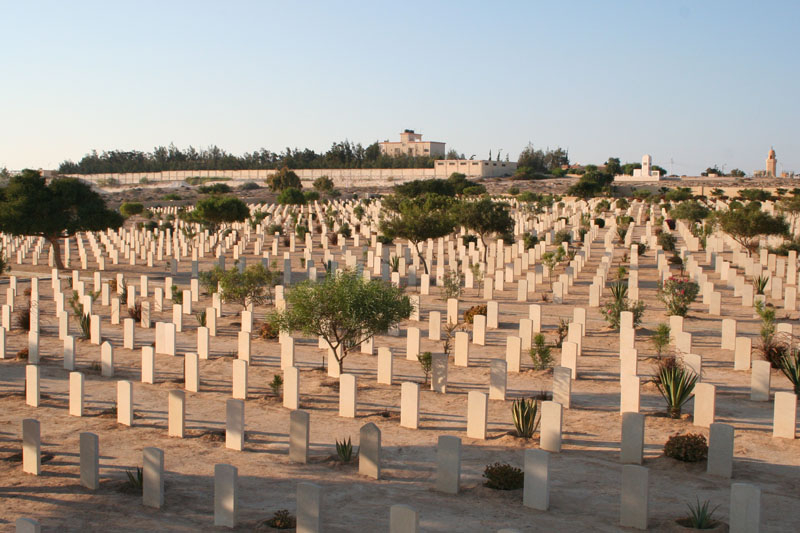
pixel 790 366
pixel 22 319
pixel 485 218
pixel 690 447
pixel 530 240
pixel 129 209
pixel 283 179
pixel 540 353
pixel 218 210
pixel 253 286
pixel 667 241
pixel 135 481
pixel 344 450
pixel 501 476
pixel 700 514
pixel 754 195
pixel 344 309
pixel 678 194
pixel 65 206
pixel 311 196
pixel 425 362
pixel 745 224
pixel 323 184
pixel 249 186
pixel 282 519
pixel 291 196
pixel 689 210
pixel 532 161
pixel 276 384
pixel 468 238
pixel 215 188
pixel 600 222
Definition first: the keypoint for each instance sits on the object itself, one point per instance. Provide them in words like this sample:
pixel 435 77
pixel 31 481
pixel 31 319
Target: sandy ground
pixel 585 476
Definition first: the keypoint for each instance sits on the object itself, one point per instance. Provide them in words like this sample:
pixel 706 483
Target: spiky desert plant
pixel 85 322
pixel 701 515
pixel 760 283
pixel 675 383
pixel 344 450
pixel 135 479
pixel 790 366
pixel 525 412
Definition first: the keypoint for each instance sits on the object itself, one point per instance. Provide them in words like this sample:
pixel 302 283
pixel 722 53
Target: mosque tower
pixel 772 164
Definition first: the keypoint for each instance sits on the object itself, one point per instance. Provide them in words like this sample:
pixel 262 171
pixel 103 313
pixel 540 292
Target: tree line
pixel 343 154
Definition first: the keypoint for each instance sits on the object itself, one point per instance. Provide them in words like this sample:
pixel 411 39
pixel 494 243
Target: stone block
pixel 385 366
pixel 191 372
pixel 125 403
pixel 704 404
pixel 742 353
pixel 550 433
pixel 439 373
pixel 403 519
pixel 745 508
pixel 760 381
pixel 409 405
pixel 412 344
pixel 562 386
pixel 153 477
pixel 176 414
pixel 226 497
pixel 369 451
pixel 348 396
pixel 234 424
pixel 31 447
pixel 497 379
pixel 448 464
pixel 513 353
pixel 298 436
pixel 536 488
pixel 90 460
pixel 462 348
pixel 239 376
pixel 477 414
pixel 720 450
pixel 291 388
pixel 635 499
pixel 784 419
pixel 148 364
pixel 309 507
pixel 76 394
pixel 632 448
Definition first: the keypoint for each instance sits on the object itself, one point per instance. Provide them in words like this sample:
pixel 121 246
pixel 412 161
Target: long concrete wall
pixel 356 177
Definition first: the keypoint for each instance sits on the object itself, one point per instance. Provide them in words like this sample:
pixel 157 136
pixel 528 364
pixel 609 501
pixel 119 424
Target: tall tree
pixel 217 210
pixel 345 310
pixel 418 219
pixel 745 224
pixel 485 217
pixel 62 208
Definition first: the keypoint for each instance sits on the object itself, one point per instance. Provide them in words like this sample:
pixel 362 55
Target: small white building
pixel 641 174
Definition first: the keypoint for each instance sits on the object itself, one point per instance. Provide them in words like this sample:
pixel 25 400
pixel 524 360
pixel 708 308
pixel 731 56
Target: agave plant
pixel 675 383
pixel 344 450
pixel 525 412
pixel 619 291
pixel 700 515
pixel 135 479
pixel 85 322
pixel 760 283
pixel 790 366
pixel 394 263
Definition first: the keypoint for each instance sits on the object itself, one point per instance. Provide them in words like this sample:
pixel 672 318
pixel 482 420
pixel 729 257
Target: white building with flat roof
pixel 411 144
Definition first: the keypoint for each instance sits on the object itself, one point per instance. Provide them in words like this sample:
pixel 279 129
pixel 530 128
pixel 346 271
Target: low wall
pixel 345 177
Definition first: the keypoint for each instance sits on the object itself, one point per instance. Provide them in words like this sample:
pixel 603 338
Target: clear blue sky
pixel 701 83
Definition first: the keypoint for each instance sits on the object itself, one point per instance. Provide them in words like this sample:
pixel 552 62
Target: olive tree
pixel 745 224
pixel 344 309
pixel 485 218
pixel 252 286
pixel 418 219
pixel 65 206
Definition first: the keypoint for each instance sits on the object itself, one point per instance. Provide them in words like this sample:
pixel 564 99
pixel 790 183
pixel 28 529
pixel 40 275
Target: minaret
pixel 772 164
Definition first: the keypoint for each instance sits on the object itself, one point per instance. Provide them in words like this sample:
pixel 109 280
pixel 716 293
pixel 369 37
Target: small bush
pixel 282 520
pixel 249 186
pixel 215 188
pixel 600 222
pixel 177 295
pixel 268 331
pixel 540 353
pixel 23 354
pixel 22 319
pixel 690 448
pixel 469 314
pixel 276 384
pixel 135 312
pixel 667 241
pixel 425 362
pixel 502 476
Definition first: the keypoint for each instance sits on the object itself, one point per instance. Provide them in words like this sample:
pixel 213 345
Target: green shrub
pixel 678 293
pixel 249 186
pixel 600 222
pixel 667 241
pixel 540 353
pixel 690 447
pixel 425 362
pixel 790 366
pixel 501 476
pixel 700 516
pixel 291 196
pixel 513 191
pixel 214 188
pixel 129 209
pixel 282 519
